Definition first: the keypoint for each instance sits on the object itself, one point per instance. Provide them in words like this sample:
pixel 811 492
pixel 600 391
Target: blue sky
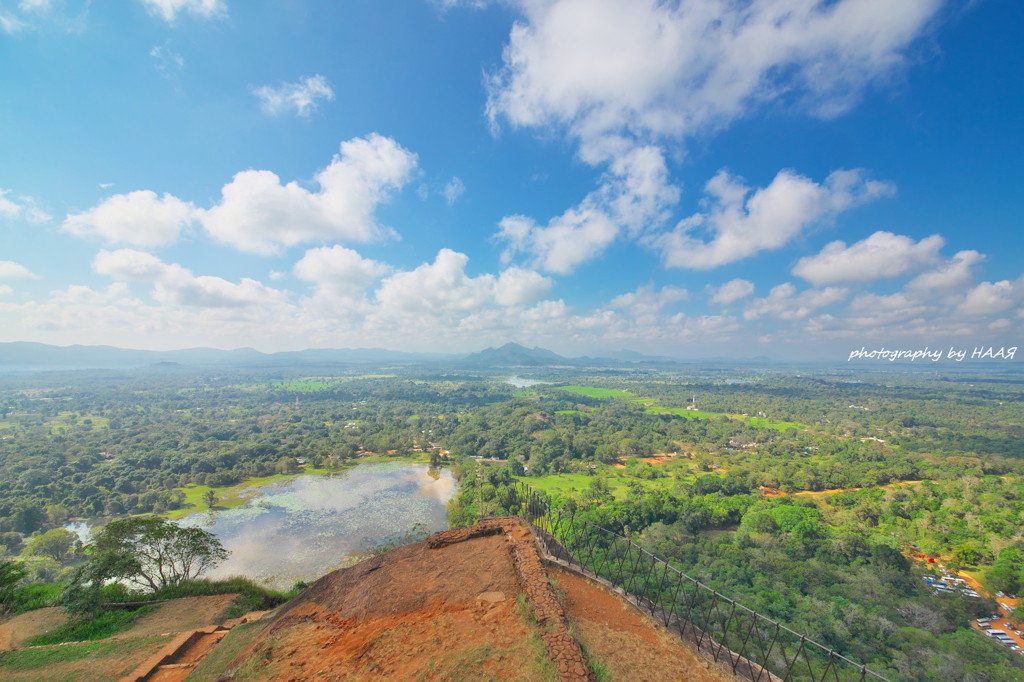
pixel 771 177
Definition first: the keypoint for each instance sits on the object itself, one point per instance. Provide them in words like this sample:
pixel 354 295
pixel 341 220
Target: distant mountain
pixel 22 355
pixel 18 356
pixel 515 355
pixel 330 356
pixel 633 356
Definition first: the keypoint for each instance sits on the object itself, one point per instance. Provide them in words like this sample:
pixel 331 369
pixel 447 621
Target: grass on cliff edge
pixel 23 660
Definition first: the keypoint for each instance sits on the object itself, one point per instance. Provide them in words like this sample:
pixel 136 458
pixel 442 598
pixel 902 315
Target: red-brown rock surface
pixel 474 603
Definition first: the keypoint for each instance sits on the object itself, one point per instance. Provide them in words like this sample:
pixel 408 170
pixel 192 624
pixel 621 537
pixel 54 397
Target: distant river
pixel 304 527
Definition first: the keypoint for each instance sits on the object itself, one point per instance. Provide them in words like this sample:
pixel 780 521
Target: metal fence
pixel 754 646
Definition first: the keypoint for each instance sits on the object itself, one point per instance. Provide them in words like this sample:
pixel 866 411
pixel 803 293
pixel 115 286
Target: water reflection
pixel 302 528
pixel 524 383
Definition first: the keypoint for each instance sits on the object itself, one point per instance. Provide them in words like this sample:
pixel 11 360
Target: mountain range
pixel 29 356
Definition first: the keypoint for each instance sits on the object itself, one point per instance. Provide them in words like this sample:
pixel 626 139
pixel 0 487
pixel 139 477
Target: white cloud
pixel 10 24
pixel 23 208
pixel 784 303
pixel 731 291
pixel 654 69
pixel 177 286
pixel 882 255
pixel 438 288
pixel 648 301
pixel 993 298
pixel 140 218
pixel 339 271
pixel 206 291
pixel 517 286
pixel 169 9
pixel 953 275
pixel 452 4
pixel 453 190
pixel 258 214
pixel 634 196
pixel 129 264
pixel 741 224
pixel 573 238
pixel 11 270
pixel 168 62
pixel 300 97
pixel 34 5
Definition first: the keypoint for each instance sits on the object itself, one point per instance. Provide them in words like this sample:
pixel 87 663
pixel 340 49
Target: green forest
pixel 811 495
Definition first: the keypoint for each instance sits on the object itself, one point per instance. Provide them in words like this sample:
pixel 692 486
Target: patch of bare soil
pixel 469 604
pixel 630 645
pixel 14 631
pixel 178 615
pixel 414 613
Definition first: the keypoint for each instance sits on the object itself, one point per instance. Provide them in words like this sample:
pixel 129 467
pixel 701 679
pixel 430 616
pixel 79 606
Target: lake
pixel 524 383
pixel 304 527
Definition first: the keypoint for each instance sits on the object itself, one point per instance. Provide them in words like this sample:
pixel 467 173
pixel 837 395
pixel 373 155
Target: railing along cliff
pixel 754 646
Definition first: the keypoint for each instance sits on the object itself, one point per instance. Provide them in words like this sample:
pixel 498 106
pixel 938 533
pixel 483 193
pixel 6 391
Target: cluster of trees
pixel 106 447
pixel 824 569
pixel 123 444
pixel 118 445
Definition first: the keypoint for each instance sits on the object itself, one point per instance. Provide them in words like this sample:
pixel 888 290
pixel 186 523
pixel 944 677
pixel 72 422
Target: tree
pixel 210 498
pixel 58 544
pixel 153 552
pixel 11 573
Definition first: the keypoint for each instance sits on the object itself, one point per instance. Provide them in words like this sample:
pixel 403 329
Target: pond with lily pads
pixel 302 528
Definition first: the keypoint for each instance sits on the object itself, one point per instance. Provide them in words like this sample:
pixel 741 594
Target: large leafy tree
pixel 58 543
pixel 11 573
pixel 153 552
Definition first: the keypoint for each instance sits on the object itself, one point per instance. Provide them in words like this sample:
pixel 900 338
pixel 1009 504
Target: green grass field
pixel 65 420
pixel 25 660
pixel 576 484
pixel 759 422
pixel 654 408
pixel 592 392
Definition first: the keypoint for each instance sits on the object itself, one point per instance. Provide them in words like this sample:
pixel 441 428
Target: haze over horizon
pixel 695 179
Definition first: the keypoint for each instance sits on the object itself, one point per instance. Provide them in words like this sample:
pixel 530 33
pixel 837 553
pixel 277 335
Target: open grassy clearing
pixel 103 660
pixel 759 422
pixel 66 420
pixel 102 626
pixel 654 408
pixel 592 392
pixel 618 481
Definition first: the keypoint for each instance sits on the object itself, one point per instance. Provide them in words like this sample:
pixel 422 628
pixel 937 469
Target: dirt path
pixel 14 631
pixel 179 615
